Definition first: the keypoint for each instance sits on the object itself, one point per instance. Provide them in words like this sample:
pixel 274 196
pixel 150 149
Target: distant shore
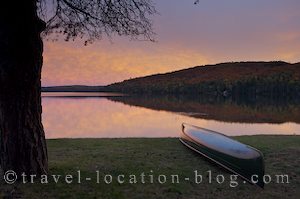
pixel 251 80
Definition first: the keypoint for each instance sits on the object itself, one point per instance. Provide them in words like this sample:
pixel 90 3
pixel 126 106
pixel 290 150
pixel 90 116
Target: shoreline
pixel 114 138
pixel 156 156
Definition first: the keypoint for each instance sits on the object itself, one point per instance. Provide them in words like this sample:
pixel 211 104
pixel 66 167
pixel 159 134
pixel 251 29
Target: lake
pixel 107 115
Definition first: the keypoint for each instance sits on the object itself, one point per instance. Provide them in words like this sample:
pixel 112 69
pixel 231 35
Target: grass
pixel 162 156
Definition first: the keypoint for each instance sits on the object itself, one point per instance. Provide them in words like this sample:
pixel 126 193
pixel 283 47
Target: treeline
pixel 73 88
pixel 276 85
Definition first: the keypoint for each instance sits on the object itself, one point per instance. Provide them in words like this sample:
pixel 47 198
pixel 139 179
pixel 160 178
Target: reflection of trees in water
pixel 228 110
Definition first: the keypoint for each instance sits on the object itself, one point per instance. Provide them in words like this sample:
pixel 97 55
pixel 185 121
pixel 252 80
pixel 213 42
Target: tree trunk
pixel 22 138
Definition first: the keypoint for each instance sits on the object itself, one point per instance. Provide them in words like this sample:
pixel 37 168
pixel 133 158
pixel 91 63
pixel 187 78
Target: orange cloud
pixel 70 63
pixel 187 35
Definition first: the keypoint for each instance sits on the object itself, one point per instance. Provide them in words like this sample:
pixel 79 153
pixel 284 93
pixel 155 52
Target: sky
pixel 187 35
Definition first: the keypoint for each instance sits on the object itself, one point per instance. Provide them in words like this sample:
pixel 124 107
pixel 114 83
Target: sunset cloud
pixel 74 64
pixel 187 35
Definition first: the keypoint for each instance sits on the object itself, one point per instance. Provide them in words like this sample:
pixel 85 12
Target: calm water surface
pixel 103 115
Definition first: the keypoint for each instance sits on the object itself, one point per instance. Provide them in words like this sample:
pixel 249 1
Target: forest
pixel 240 79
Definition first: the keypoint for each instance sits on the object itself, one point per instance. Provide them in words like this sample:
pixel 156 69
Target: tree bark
pixel 22 138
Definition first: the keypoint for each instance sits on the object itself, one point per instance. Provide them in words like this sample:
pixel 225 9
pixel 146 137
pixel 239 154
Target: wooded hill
pixel 248 79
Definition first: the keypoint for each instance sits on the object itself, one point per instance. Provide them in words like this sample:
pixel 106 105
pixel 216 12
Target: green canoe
pixel 238 158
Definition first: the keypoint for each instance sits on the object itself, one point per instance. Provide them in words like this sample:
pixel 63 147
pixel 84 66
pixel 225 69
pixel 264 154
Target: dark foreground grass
pixel 165 156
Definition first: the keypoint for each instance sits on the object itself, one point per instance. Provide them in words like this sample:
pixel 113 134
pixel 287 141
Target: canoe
pixel 236 157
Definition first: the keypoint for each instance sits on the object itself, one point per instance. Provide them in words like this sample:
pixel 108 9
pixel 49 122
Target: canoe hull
pixel 238 158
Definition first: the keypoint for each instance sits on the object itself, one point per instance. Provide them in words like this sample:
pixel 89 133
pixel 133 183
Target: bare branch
pixel 91 19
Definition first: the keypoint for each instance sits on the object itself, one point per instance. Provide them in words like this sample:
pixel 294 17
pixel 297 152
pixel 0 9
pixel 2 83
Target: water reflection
pixel 228 110
pixel 159 117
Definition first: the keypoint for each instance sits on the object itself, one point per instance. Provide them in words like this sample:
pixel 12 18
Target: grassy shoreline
pixel 162 156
